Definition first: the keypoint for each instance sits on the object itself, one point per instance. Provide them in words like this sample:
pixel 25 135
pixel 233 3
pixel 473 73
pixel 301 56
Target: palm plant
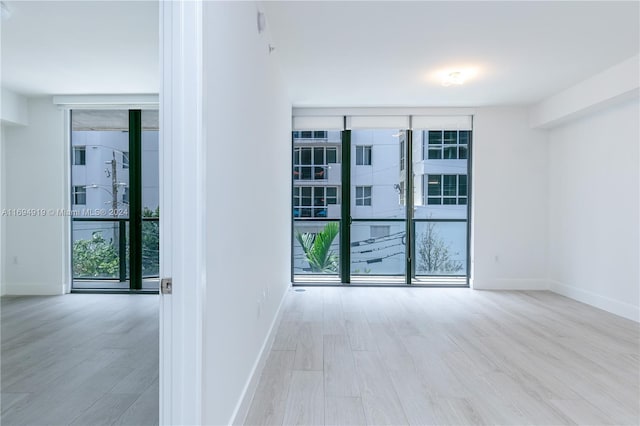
pixel 317 248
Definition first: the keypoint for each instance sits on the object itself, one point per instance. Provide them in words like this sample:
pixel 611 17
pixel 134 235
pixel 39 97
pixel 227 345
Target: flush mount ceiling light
pixel 454 76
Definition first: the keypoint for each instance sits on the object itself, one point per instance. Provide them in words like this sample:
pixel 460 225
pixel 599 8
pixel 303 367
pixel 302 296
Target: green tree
pixel 95 257
pixel 150 243
pixel 317 248
pixel 433 253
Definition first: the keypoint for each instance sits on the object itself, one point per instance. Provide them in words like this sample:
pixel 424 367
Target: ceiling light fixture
pixel 455 78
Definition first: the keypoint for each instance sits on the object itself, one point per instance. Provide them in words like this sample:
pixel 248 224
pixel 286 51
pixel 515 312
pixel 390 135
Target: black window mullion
pixel 408 176
pixel 345 222
pixel 135 199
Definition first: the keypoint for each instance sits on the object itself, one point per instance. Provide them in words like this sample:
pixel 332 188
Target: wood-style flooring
pixel 425 356
pixel 79 359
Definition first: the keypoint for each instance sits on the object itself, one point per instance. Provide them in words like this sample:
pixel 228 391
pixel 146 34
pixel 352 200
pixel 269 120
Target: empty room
pixel 320 213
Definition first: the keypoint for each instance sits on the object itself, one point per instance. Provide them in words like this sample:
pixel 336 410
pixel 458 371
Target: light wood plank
pixel 309 347
pixel 305 403
pixel 340 411
pixel 379 398
pixel 340 378
pixel 270 399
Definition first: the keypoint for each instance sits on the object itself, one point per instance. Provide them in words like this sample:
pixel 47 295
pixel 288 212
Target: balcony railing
pixel 100 248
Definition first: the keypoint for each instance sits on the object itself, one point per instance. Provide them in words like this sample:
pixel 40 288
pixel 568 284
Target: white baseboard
pixel 509 284
pixel 242 408
pixel 616 307
pixel 35 289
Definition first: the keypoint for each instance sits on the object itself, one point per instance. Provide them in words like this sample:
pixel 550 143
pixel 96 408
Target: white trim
pixel 616 307
pixel 182 201
pixel 378 122
pixel 239 415
pixel 107 101
pixel 509 284
pixel 318 123
pixel 67 269
pixel 441 122
pixel 377 111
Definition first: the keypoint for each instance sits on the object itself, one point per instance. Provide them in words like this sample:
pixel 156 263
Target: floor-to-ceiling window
pixel 114 199
pixel 383 200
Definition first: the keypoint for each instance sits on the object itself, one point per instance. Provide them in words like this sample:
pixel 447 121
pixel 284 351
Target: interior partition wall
pixel 381 200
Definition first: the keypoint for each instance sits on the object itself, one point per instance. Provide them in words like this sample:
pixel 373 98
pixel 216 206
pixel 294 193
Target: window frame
pixel 83 150
pixel 364 153
pixel 77 191
pixel 443 147
pixel 362 198
pixel 442 199
pixel 315 170
pixel 314 194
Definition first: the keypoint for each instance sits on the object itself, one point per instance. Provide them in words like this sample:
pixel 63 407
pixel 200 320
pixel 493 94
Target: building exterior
pixel 100 191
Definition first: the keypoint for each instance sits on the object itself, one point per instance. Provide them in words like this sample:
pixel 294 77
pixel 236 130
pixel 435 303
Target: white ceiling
pixel 349 53
pixel 384 53
pixel 81 47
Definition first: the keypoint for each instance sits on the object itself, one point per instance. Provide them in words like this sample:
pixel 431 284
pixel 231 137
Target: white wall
pixel 593 209
pixel 247 119
pixel 509 184
pixel 598 92
pixel 14 108
pixel 35 173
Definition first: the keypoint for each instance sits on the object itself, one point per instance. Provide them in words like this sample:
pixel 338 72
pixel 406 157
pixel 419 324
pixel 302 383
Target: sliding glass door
pixel 114 199
pixel 440 204
pixel 317 191
pixel 378 212
pixel 375 205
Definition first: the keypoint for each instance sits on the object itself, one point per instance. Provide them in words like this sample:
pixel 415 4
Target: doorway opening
pixel 114 202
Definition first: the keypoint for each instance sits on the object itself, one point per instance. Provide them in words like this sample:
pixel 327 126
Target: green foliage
pixel 95 257
pixel 147 212
pixel 433 253
pixel 98 257
pixel 317 248
pixel 150 248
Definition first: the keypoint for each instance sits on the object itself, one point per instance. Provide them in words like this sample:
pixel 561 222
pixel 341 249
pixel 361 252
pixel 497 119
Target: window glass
pixel 462 185
pixel 450 136
pixel 79 195
pixel 450 152
pixel 79 156
pixel 332 155
pixel 462 152
pixel 449 186
pixel 464 137
pixel 435 137
pixel 306 156
pixel 434 185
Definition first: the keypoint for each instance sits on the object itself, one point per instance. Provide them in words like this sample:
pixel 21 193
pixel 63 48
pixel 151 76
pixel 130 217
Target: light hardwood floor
pixel 394 356
pixel 79 359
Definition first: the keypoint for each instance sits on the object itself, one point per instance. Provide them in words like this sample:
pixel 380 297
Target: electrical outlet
pixel 15 260
pixel 259 310
pixel 496 258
